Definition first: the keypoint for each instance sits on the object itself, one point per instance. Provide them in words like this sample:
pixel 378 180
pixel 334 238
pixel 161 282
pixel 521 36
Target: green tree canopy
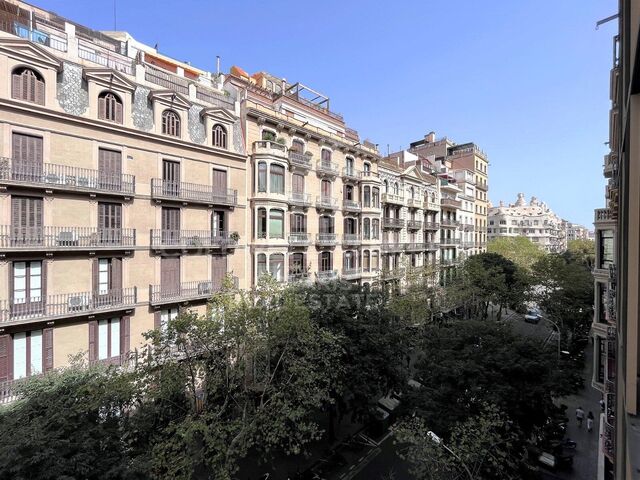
pixel 520 250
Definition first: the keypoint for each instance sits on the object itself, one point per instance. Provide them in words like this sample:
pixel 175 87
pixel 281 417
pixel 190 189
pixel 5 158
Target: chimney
pixel 430 137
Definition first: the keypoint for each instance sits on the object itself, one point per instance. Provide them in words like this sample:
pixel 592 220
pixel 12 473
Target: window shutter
pixel 292 223
pixel 118 112
pixel 47 349
pixel 93 340
pixel 102 108
pixel 157 319
pixel 39 91
pixel 125 336
pixel 43 269
pixel 5 358
pixel 16 87
pixel 95 274
pixel 116 273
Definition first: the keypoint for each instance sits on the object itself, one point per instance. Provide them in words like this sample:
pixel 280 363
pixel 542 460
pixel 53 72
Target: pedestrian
pixel 579 416
pixel 590 421
pixel 602 404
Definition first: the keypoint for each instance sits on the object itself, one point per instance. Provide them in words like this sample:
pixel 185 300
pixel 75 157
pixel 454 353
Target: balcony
pixel 610 165
pixel 468 227
pixel 391 273
pixel 431 246
pixel 351 239
pixel 429 205
pixel 300 199
pixel 448 262
pixel 370 272
pixel 66 305
pixel 326 239
pixel 326 168
pixel 326 203
pixel 192 239
pixel 268 147
pixel 351 206
pixel 431 225
pixel 192 193
pixel 602 215
pixel 65 238
pixel 351 174
pixel 414 224
pixel 450 202
pixel 449 223
pixel 414 247
pixel 392 247
pixel 186 291
pixel 351 273
pixel 369 176
pixel 300 160
pixel 467 244
pixel 49 176
pixel 414 203
pixel 299 239
pixel 392 198
pixel 300 277
pixel 389 222
pixel 449 242
pixel 327 275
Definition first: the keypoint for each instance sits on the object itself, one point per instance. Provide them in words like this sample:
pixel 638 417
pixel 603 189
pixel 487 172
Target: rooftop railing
pixel 64 177
pixel 215 98
pixel 105 57
pixel 65 238
pixel 165 79
pixel 192 192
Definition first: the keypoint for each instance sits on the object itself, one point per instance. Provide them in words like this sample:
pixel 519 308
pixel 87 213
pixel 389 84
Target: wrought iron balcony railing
pixel 186 291
pixel 300 199
pixel 351 239
pixel 192 239
pixel 192 192
pixel 63 177
pixel 326 203
pixel 299 239
pixel 431 226
pixel 327 168
pixel 326 239
pixel 351 206
pixel 66 305
pixel 351 174
pixel 414 224
pixel 65 238
pixel 389 222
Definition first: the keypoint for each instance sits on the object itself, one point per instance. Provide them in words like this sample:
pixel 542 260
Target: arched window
pixel 219 135
pixel 374 260
pixel 366 196
pixel 396 188
pixel 262 176
pixel 277 178
pixel 349 260
pixel 412 193
pixel 324 262
pixel 348 192
pixel 375 197
pixel 27 85
pixel 366 228
pixel 171 123
pixel 325 189
pixel 297 146
pixel 367 168
pixel 109 107
pixel 386 186
pixel 350 169
pixel 276 223
pixel 375 229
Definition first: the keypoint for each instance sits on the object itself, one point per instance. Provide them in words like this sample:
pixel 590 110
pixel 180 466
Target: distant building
pixel 533 220
pixel 578 232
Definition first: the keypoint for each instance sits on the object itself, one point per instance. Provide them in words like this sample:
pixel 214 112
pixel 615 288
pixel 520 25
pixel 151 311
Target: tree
pixel 484 446
pixel 583 251
pixel 520 250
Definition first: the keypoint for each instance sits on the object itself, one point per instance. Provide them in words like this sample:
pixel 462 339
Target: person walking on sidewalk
pixel 579 416
pixel 590 421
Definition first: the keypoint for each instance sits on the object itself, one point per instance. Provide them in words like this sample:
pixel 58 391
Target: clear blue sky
pixel 528 81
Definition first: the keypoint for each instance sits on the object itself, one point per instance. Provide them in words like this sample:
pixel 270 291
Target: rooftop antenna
pixel 218 65
pixel 606 20
pixel 115 24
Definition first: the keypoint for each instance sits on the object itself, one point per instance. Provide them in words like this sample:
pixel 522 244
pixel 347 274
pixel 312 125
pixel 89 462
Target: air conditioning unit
pixel 204 288
pixel 67 238
pixel 78 303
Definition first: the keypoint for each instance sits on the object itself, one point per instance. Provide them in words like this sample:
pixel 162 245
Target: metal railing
pixel 326 202
pixel 299 159
pixel 215 98
pixel 392 198
pixel 449 241
pixel 298 277
pixel 450 202
pixel 326 238
pixel 192 238
pixel 299 239
pixel 392 247
pixel 414 224
pixel 414 246
pixel 351 173
pixel 431 246
pixel 351 239
pixel 184 291
pixel 102 56
pixel 42 36
pixel 16 237
pixel 351 205
pixel 166 79
pixel 414 203
pixel 447 222
pixel 193 192
pixel 302 199
pixel 326 275
pixel 64 177
pixel 268 145
pixel 431 226
pixel 67 304
pixel 391 222
pixel 327 167
pixel 351 273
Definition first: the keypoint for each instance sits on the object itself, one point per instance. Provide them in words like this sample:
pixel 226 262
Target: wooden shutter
pixel 95 274
pixel 102 107
pixel 170 218
pixel 93 340
pixel 109 169
pixel 119 115
pixel 16 87
pixel 6 362
pixel 109 215
pixel 116 273
pixel 125 335
pixel 219 270
pixel 27 153
pixel 157 319
pixel 39 91
pixel 298 183
pixel 47 349
pixel 220 181
pixel 170 274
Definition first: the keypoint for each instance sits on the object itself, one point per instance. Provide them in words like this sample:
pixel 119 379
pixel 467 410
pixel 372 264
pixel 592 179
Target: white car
pixel 532 315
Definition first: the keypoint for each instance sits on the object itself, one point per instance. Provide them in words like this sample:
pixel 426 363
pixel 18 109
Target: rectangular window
pixel 298 223
pixel 262 177
pixel 276 224
pixel 103 275
pixel 109 169
pixel 27 354
pixel 606 248
pixel 108 338
pixel 166 316
pixel 27 282
pixel 277 179
pixel 262 223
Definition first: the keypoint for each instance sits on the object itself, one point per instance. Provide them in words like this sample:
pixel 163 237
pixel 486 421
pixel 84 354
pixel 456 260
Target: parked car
pixel 532 316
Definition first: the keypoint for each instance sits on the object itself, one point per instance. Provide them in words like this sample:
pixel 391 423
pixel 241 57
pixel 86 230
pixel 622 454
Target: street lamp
pixel 437 440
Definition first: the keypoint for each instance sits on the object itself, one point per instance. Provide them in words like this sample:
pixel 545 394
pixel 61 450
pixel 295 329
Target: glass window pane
pixel 103 339
pixel 36 352
pixel 20 355
pixel 276 224
pixel 115 337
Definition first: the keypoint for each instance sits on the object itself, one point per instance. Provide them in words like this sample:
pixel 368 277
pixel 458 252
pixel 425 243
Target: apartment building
pixel 469 157
pixel 410 218
pixel 617 235
pixel 123 191
pixel 314 193
pixel 533 220
pixel 578 232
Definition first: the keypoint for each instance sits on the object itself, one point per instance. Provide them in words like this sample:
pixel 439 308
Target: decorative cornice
pixel 29 52
pixel 109 78
pixel 218 113
pixel 170 98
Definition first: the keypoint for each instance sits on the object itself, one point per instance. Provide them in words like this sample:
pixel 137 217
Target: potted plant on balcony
pixel 234 236
pixel 281 141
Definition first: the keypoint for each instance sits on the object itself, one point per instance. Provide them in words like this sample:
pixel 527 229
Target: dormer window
pixel 110 107
pixel 170 123
pixel 219 135
pixel 27 85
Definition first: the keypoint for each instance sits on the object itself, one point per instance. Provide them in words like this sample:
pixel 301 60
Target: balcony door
pixel 297 186
pixel 170 276
pixel 109 223
pixel 219 181
pixel 28 285
pixel 326 224
pixel 109 169
pixel 170 178
pixel 297 264
pixel 218 225
pixel 325 191
pixel 218 271
pixel 26 221
pixel 107 281
pixel 170 226
pixel 27 158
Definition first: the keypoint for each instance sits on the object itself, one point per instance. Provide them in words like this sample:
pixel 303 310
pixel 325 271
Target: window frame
pixel 172 129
